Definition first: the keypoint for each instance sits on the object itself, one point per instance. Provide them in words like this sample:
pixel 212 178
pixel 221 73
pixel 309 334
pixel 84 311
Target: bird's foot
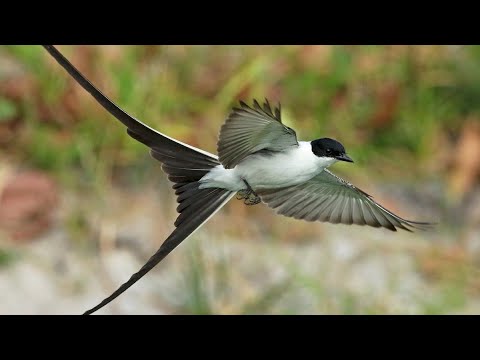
pixel 242 194
pixel 252 199
pixel 248 195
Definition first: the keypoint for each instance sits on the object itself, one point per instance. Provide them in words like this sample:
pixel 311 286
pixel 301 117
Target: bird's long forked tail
pixel 184 168
pixel 196 206
pixel 206 207
pixel 184 164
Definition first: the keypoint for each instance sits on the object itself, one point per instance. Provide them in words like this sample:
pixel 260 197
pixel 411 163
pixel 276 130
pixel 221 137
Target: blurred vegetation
pixel 406 114
pixel 392 106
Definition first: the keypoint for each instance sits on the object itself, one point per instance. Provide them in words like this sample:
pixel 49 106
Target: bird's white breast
pixel 270 170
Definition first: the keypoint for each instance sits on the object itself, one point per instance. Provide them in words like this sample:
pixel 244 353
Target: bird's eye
pixel 329 151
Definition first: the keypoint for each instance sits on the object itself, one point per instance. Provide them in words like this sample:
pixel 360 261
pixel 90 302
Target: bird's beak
pixel 344 157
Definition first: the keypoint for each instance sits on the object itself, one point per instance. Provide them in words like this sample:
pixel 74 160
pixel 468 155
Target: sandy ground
pixel 268 264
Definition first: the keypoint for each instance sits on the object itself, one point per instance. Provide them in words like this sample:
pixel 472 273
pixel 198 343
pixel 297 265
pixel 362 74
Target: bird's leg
pixel 244 193
pixel 248 195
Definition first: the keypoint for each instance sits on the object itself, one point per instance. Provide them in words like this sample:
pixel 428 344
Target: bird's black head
pixel 329 148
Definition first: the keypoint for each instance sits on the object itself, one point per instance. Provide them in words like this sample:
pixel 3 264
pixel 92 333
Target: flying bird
pixel 259 159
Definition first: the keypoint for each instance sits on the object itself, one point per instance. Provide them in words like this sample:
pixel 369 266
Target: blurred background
pixel 83 206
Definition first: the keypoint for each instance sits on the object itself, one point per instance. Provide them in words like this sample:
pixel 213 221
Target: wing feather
pixel 248 130
pixel 329 198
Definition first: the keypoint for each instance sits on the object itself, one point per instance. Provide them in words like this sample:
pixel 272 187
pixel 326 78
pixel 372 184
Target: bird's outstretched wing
pixel 248 130
pixel 326 197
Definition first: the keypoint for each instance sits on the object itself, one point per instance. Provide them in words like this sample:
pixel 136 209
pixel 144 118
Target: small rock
pixel 27 204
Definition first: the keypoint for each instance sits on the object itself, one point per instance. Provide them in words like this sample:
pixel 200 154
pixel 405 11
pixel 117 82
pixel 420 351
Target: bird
pixel 259 160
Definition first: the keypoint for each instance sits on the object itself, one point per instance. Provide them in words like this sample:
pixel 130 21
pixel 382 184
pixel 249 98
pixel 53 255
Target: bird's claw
pixel 252 199
pixel 248 195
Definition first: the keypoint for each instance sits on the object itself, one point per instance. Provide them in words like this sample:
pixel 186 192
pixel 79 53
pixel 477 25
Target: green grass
pixel 187 91
pixel 7 257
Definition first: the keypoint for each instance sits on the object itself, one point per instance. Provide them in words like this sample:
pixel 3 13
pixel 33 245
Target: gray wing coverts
pixel 326 197
pixel 248 130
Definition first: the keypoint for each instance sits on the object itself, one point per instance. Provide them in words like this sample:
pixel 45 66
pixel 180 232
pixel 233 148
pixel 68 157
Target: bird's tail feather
pixel 184 164
pixel 195 207
pixel 208 208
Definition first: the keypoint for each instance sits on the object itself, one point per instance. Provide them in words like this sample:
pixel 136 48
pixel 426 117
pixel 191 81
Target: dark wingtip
pixel 267 108
pixel 267 103
pixel 410 225
pixel 278 112
pixel 423 226
pixel 256 105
